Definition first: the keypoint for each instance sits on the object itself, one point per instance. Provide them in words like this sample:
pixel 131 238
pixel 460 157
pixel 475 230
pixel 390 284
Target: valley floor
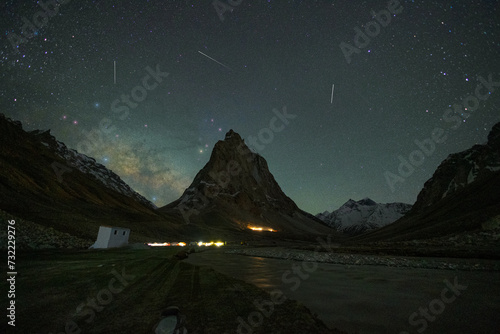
pixel 269 290
pixel 124 291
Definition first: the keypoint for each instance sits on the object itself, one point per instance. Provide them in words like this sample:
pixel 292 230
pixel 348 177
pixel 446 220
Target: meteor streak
pixel 215 60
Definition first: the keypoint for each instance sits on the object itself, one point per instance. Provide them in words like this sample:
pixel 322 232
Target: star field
pixel 185 76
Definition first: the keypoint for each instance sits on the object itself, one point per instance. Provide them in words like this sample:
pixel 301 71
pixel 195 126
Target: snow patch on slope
pixel 108 178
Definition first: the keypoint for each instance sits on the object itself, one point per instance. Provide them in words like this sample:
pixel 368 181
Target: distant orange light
pixel 254 228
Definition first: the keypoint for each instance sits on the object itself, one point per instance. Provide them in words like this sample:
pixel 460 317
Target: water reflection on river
pixel 370 299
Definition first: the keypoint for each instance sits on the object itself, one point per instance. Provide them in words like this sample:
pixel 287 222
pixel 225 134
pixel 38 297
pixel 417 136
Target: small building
pixel 111 236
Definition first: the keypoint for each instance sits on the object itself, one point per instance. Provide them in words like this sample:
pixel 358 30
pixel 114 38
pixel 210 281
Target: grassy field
pixel 125 290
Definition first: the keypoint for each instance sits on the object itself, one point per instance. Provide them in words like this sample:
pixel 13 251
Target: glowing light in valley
pixel 211 243
pixel 164 244
pixel 182 244
pixel 255 228
pixel 158 244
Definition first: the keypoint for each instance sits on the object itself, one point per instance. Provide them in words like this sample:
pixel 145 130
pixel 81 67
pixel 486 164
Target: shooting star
pixel 215 60
pixel 333 88
pixel 114 71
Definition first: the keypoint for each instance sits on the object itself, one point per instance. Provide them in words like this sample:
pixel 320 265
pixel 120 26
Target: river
pixel 375 299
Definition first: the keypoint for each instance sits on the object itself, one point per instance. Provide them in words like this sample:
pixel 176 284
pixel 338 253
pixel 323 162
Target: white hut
pixel 111 236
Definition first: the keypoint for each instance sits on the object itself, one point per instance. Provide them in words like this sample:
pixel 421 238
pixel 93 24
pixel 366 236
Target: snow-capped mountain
pixel 235 190
pixel 364 215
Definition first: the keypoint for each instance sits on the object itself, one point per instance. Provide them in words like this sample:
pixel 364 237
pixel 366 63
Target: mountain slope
pixel 235 190
pixel 462 195
pixel 358 217
pixel 461 169
pixel 43 181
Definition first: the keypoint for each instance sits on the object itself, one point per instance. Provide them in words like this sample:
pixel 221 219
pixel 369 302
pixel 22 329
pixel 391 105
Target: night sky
pixel 240 69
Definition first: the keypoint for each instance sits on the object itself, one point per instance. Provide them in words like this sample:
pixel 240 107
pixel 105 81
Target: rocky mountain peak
pixel 10 129
pixel 354 204
pixel 234 173
pixel 231 135
pixel 459 170
pixel 367 201
pixel 350 203
pixel 494 136
pixel 463 195
pixel 236 183
pixel 231 148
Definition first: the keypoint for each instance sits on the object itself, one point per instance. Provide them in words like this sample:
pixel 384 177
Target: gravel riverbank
pixel 362 259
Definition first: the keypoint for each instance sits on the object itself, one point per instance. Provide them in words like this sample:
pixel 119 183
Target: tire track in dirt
pixel 141 301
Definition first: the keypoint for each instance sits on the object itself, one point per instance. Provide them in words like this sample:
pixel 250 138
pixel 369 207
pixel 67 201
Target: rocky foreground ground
pixel 30 235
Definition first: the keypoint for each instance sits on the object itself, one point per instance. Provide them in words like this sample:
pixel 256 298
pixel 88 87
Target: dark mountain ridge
pixel 463 195
pixel 43 181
